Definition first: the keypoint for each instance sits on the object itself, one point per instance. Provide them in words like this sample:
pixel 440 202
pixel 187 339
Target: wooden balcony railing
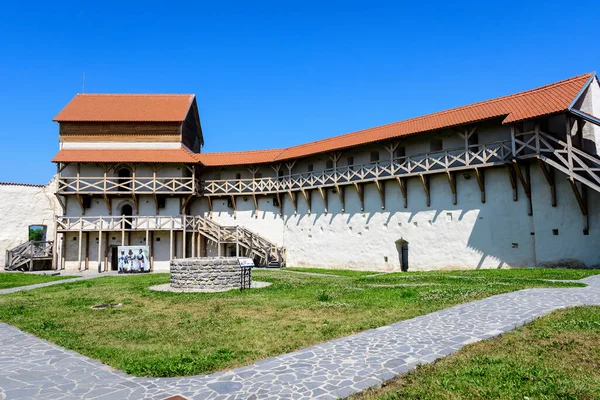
pixel 116 185
pixel 478 155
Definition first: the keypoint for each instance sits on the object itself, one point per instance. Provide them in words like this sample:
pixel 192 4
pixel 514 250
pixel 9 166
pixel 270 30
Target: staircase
pixel 577 164
pixel 23 257
pixel 264 252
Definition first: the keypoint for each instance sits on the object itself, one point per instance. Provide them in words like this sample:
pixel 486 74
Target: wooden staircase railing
pixel 22 257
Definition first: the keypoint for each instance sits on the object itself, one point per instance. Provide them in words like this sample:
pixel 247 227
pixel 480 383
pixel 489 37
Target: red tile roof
pixel 126 108
pixel 237 158
pixel 125 155
pixel 535 103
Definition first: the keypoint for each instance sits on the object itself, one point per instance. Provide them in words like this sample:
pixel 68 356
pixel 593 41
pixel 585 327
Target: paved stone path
pixel 31 368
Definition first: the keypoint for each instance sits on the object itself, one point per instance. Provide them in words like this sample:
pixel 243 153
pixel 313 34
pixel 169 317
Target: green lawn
pixel 554 357
pixel 15 279
pixel 175 334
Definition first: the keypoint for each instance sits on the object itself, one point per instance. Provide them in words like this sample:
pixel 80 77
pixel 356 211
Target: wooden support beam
pixel 452 182
pixel 324 197
pixel 579 196
pixel 360 190
pixel 294 199
pixel 549 175
pixel 185 203
pixel 278 197
pixel 380 185
pixel 512 176
pixel 135 203
pixel 526 183
pixel 156 202
pixel 426 187
pixel 176 248
pixel 63 206
pixel 480 175
pixel 403 189
pixel 307 194
pixel 234 205
pixel 108 202
pixel 100 247
pixel 340 191
pixel 255 205
pixel 80 201
pixel 210 206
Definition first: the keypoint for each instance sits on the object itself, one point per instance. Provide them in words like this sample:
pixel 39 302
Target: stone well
pixel 207 274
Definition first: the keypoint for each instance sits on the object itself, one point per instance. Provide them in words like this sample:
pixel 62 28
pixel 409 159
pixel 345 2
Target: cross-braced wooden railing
pixel 480 155
pixel 116 185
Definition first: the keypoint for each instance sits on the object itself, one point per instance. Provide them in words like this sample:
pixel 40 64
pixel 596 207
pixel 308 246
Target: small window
pixel 555 232
pixel 238 176
pixel 310 168
pixel 350 162
pixel 473 140
pixel 436 145
pixel 86 201
pixel 515 245
pixel 586 232
pixel 275 202
pixel 374 156
pixel 162 201
pixel 37 233
pixel 329 164
pixel 258 175
pixel 400 152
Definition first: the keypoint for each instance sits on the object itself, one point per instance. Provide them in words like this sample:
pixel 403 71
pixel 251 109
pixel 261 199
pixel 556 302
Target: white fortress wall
pixel 22 206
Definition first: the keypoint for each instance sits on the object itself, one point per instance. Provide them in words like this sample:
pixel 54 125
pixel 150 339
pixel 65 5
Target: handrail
pixel 498 151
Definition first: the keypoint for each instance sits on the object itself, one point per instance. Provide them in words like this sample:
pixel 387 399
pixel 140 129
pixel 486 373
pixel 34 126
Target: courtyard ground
pixel 169 334
pixel 554 357
pixel 16 279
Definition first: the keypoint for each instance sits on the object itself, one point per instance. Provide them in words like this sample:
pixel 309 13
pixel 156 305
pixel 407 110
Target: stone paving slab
pixel 32 368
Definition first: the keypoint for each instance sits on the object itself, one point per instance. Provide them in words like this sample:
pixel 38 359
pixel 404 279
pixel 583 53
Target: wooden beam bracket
pixel 426 186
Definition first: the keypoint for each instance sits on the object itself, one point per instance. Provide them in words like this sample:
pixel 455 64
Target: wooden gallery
pixel 508 182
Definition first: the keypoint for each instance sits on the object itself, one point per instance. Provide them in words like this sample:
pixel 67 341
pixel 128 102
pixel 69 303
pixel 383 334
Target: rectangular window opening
pixel 436 145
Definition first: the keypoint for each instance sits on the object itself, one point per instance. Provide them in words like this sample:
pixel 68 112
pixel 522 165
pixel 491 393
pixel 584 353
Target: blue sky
pixel 274 74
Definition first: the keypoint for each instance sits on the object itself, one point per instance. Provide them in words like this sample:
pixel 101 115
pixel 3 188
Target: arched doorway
pixel 402 247
pixel 127 212
pixel 124 179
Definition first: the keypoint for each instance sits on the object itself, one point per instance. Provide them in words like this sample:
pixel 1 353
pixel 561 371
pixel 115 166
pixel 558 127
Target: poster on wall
pixel 133 259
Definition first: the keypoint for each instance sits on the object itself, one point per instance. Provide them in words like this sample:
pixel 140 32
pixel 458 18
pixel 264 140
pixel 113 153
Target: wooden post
pixel 80 249
pixel 402 182
pixel 480 175
pixel 106 246
pixel 55 250
pixel 100 247
pixel 175 244
pixel 87 250
pixel 193 243
pixel 151 250
pixel 171 242
pixel 63 251
pixel 512 176
pixel 183 237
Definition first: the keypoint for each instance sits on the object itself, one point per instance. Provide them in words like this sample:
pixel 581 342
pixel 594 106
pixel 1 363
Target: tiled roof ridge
pixel 443 112
pixel 134 94
pixel 22 184
pixel 239 152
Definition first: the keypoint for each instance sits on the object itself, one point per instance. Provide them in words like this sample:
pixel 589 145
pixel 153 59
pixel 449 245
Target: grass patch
pixel 554 357
pixel 176 334
pixel 16 279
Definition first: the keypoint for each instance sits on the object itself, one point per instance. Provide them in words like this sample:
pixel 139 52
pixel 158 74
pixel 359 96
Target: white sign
pixel 246 262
